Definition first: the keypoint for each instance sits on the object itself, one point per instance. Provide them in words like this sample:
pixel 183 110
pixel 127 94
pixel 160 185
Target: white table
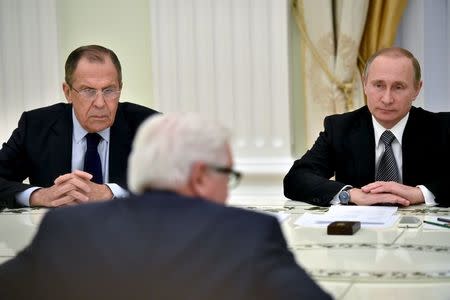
pixel 17 228
pixel 390 263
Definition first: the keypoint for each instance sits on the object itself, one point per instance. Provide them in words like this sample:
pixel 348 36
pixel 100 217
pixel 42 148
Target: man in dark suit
pixel 49 144
pixel 351 148
pixel 173 240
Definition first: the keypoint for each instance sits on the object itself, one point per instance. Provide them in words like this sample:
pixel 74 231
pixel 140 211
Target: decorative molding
pixel 373 276
pixel 376 275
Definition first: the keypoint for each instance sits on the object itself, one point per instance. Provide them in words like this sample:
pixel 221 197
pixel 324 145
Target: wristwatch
pixel 344 196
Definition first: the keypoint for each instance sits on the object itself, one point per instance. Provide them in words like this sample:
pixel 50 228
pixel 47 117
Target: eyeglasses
pixel 91 94
pixel 234 177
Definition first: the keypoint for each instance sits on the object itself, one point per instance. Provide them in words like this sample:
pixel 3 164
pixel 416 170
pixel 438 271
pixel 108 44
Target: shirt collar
pixel 397 130
pixel 79 132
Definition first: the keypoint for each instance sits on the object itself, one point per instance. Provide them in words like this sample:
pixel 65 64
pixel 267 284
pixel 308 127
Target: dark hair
pixel 396 52
pixel 94 53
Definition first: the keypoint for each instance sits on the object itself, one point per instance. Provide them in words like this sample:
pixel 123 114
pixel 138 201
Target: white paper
pixel 369 216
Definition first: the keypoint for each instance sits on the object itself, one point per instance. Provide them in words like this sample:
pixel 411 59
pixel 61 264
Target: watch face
pixel 344 197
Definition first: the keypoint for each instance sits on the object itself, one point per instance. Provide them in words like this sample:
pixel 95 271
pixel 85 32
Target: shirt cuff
pixel 117 190
pixel 428 196
pixel 335 200
pixel 23 198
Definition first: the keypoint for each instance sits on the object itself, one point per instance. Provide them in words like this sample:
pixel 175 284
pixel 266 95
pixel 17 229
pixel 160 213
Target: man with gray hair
pixel 172 240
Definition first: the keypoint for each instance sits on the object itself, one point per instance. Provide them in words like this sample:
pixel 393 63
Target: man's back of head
pixel 185 153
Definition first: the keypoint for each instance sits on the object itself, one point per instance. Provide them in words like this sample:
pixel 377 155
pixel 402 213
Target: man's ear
pixel 418 87
pixel 197 179
pixel 364 82
pixel 66 89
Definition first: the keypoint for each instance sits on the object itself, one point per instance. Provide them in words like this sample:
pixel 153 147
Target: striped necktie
pixel 387 169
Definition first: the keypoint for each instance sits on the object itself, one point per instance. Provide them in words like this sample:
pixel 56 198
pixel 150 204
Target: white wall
pixel 123 26
pixel 425 30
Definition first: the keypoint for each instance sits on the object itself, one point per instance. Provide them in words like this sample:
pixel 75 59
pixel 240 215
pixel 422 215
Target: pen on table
pixel 437 224
pixel 444 220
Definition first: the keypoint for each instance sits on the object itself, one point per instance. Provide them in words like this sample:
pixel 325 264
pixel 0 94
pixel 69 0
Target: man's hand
pixel 69 189
pixel 412 194
pixel 360 197
pixel 99 192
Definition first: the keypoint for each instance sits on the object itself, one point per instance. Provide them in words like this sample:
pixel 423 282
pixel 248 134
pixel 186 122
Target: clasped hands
pixel 386 192
pixel 69 189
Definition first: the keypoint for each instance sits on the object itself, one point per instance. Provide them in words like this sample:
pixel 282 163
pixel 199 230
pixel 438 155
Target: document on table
pixel 369 216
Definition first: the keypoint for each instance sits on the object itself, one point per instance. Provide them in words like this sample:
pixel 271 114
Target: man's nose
pixel 99 100
pixel 387 97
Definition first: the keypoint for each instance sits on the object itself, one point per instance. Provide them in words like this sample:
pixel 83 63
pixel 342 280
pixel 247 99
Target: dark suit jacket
pixel 40 148
pixel 346 150
pixel 156 246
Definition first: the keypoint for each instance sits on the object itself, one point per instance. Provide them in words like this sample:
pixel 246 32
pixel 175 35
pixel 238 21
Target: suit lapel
pixel 61 140
pixel 410 148
pixel 362 148
pixel 119 148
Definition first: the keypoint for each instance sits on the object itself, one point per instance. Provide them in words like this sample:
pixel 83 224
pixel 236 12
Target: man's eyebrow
pixel 377 81
pixel 85 86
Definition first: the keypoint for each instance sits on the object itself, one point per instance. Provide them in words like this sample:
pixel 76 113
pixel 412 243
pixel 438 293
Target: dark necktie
pixel 92 163
pixel 387 169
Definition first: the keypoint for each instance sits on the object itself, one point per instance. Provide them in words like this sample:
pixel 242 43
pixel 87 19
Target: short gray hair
pixel 167 145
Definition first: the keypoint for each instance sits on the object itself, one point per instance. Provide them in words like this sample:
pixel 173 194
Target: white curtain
pixel 28 59
pixel 230 60
pixel 331 33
